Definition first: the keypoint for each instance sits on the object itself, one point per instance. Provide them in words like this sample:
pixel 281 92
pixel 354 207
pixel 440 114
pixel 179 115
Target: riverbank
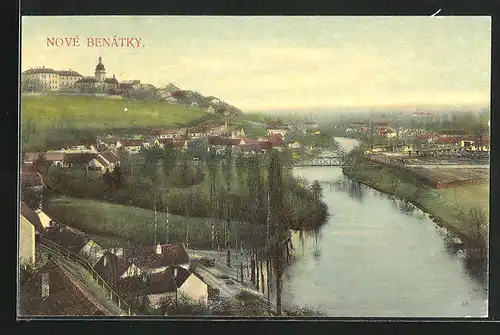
pixel 449 208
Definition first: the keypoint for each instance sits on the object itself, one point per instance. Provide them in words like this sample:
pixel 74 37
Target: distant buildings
pixel 46 79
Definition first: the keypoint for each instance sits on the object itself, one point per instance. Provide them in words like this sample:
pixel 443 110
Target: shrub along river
pixel 378 256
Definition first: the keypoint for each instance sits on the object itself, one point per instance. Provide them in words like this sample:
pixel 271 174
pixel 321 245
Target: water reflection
pixel 379 255
pixel 354 189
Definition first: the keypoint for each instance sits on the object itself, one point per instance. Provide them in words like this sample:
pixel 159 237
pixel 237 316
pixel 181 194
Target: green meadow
pixel 49 120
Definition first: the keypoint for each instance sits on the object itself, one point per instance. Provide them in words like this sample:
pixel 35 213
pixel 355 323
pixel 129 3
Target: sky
pixel 260 63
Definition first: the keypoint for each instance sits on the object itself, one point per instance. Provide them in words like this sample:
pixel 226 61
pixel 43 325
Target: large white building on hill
pixel 46 79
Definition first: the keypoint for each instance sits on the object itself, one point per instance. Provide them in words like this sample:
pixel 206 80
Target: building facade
pixel 47 79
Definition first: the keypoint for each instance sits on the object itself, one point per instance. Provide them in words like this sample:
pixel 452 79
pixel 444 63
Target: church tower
pixel 100 71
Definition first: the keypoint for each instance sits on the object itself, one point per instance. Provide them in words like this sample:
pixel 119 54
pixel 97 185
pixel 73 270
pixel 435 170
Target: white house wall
pixel 26 241
pixel 195 289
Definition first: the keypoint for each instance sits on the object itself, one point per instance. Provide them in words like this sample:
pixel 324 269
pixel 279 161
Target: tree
pixel 228 169
pixel 31 85
pixel 277 231
pixel 40 163
pixel 169 160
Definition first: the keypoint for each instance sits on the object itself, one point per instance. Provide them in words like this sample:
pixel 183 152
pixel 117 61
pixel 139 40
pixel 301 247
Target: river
pixel 378 256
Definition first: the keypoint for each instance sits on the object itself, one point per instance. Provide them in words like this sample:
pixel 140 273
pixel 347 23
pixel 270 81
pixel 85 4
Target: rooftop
pixel 64 296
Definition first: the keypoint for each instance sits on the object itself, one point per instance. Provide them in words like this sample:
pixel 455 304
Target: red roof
pixel 29 214
pixel 275 139
pixel 132 143
pixel 171 254
pixel 110 156
pixel 425 136
pixel 448 140
pixel 249 140
pixel 162 282
pixel 65 298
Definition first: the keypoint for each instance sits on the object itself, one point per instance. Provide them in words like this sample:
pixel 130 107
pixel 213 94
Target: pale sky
pixel 279 63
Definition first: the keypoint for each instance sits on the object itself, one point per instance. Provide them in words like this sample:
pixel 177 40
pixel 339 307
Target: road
pixel 83 279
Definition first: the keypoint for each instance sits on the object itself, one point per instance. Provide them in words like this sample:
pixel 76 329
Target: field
pixel 453 174
pixel 48 117
pixel 111 224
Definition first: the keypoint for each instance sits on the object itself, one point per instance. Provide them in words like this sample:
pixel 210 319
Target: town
pixel 151 280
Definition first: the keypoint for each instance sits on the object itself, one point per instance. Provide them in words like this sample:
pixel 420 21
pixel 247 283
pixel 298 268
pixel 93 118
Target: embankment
pixel 449 208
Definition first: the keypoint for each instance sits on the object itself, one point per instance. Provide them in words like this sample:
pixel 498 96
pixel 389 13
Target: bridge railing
pixel 63 252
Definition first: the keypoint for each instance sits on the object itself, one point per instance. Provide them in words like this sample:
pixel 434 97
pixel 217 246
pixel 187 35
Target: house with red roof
pixel 165 133
pixel 113 268
pixel 53 158
pixel 133 146
pixel 52 292
pixel 159 258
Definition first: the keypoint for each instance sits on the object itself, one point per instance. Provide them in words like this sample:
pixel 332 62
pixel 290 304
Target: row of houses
pixel 153 277
pixel 93 160
pixel 457 139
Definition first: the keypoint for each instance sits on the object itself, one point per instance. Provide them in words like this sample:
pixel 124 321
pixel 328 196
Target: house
pixel 159 258
pixel 213 129
pixel 80 148
pixel 51 292
pixel 86 160
pixel 92 252
pixel 29 229
pixel 54 158
pixel 112 268
pixel 69 238
pixel 451 134
pixel 386 132
pixel 312 132
pixel 165 133
pixel 475 143
pixel 294 145
pixel 448 142
pixel 46 220
pixel 427 137
pixel 194 133
pixel 248 140
pixel 171 142
pixel 155 290
pixel 281 131
pixel 249 149
pixel 310 125
pixel 276 140
pixel 110 158
pixel 237 133
pixel 132 146
pixel 191 285
pixel 110 142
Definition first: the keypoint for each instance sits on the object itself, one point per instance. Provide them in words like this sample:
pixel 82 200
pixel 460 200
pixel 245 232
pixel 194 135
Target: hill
pixel 49 119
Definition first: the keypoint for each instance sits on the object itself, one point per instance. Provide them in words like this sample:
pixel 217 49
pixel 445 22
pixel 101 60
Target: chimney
pixel 158 249
pixel 118 251
pixel 105 260
pixel 45 285
pixel 175 273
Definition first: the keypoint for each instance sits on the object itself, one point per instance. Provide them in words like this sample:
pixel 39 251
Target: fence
pixel 62 251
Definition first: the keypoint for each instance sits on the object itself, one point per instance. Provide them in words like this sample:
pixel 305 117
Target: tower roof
pixel 100 66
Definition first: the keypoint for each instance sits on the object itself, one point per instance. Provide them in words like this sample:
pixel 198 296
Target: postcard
pixel 254 166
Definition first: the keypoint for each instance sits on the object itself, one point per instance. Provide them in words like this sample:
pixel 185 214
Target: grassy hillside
pixel 129 223
pixel 49 118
